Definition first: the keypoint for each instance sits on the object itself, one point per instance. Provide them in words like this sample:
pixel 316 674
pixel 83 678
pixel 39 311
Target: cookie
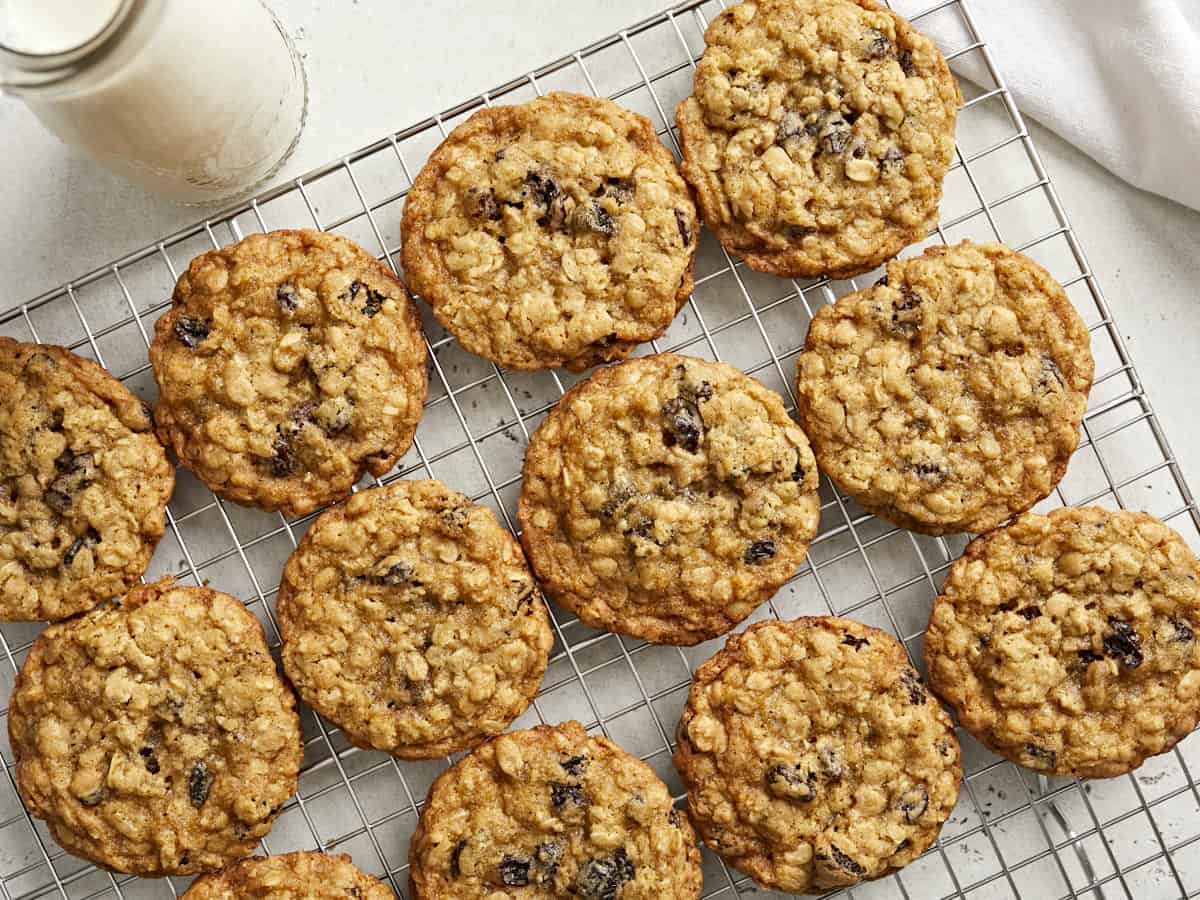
pixel 558 813
pixel 813 757
pixel 1067 642
pixel 818 134
pixel 948 396
pixel 84 484
pixel 666 497
pixel 554 233
pixel 289 364
pixel 410 619
pixel 153 735
pixel 304 875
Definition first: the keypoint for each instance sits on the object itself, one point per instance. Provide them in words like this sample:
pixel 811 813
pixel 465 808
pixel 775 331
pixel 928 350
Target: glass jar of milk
pixel 197 100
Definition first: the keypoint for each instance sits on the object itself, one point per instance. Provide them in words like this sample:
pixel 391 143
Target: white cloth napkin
pixel 1119 79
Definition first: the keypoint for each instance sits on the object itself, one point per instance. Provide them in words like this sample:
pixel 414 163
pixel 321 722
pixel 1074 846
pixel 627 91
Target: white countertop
pixel 380 65
pixel 391 64
pixel 375 66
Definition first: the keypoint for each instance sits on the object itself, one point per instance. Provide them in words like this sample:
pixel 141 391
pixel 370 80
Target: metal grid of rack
pixel 1013 834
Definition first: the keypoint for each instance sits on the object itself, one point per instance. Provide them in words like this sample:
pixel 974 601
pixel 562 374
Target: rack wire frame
pixel 1014 834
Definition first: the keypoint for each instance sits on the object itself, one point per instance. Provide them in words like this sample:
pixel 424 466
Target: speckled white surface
pixel 379 65
pixel 376 66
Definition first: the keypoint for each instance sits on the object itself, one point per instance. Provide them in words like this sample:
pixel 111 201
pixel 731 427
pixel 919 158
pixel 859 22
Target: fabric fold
pixel 1116 78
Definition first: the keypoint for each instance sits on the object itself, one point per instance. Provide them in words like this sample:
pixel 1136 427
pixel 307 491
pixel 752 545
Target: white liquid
pixel 52 26
pixel 209 105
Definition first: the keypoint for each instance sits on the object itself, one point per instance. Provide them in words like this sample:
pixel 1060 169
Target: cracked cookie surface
pixel 1067 642
pixel 410 619
pixel 818 134
pixel 154 736
pixel 666 497
pixel 947 397
pixel 555 813
pixel 289 364
pixel 83 484
pixel 554 233
pixel 303 875
pixel 813 756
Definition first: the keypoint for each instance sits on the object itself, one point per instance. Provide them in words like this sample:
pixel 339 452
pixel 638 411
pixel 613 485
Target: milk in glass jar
pixel 196 100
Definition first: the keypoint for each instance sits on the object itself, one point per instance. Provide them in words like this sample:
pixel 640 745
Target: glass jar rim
pixel 41 68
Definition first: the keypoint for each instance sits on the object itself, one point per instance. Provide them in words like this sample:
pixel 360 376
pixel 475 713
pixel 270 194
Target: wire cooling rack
pixel 1013 834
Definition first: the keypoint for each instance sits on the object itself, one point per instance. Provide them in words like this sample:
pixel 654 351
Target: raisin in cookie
pixel 154 735
pixel 947 397
pixel 410 619
pixel 304 875
pixel 1067 642
pixel 288 364
pixel 666 497
pixel 554 233
pixel 818 134
pixel 83 484
pixel 556 812
pixel 813 757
